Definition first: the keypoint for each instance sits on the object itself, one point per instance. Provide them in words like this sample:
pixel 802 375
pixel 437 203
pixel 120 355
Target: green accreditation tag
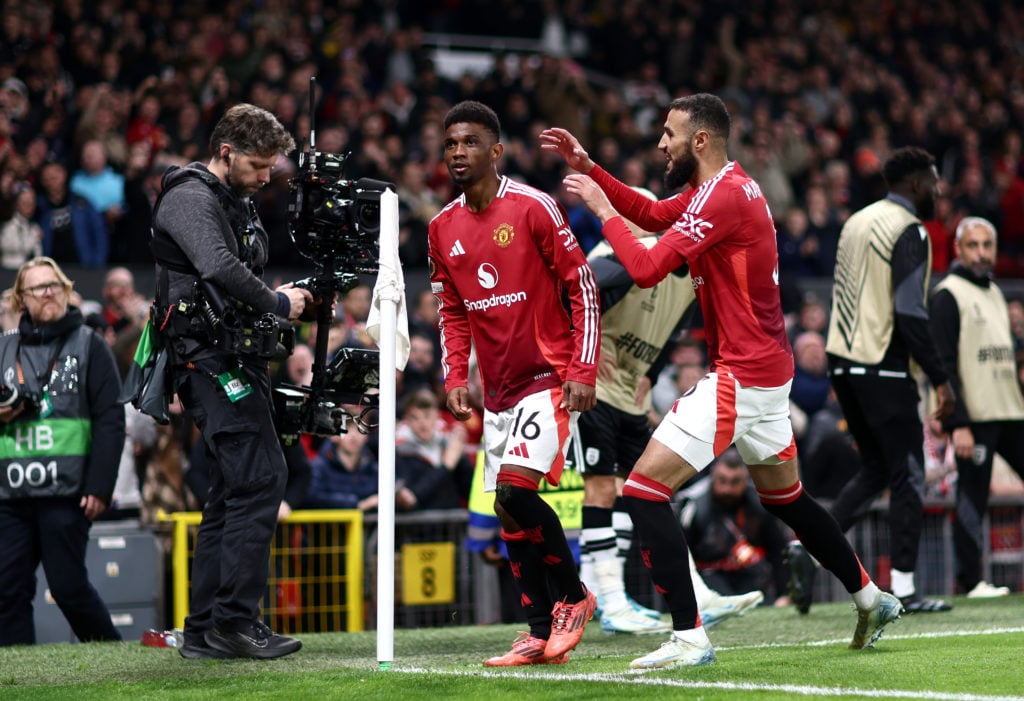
pixel 45 406
pixel 234 384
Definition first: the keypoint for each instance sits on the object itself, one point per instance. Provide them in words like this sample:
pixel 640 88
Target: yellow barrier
pixel 307 591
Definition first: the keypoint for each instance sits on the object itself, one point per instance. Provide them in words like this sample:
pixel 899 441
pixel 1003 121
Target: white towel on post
pixel 390 286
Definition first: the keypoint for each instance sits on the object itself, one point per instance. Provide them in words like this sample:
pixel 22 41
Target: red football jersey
pixel 724 230
pixel 500 276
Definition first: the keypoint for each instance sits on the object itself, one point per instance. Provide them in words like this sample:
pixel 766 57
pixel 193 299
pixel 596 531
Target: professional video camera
pixel 336 224
pixel 333 221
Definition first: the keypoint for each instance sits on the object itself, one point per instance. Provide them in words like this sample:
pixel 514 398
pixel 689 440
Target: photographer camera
pixel 61 433
pixel 212 307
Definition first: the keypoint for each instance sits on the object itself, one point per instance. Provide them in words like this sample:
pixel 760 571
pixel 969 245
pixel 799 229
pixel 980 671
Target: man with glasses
pixel 61 433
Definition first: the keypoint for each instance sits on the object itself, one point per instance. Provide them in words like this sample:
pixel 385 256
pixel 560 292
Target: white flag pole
pixel 390 291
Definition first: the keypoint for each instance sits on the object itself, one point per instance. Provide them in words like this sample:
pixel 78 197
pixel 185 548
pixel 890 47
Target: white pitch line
pixel 640 678
pixel 643 678
pixel 910 636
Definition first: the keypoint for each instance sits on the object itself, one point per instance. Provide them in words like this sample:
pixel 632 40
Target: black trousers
pixel 56 533
pixel 247 483
pixel 881 413
pixel 974 477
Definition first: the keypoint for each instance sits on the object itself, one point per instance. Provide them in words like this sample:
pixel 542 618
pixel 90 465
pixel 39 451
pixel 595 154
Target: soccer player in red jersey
pixel 501 256
pixel 722 227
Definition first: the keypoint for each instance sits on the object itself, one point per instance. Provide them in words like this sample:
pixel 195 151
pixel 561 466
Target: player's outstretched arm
pixel 568 147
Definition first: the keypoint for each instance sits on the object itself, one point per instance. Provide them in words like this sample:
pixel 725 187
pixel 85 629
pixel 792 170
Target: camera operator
pixel 210 249
pixel 61 432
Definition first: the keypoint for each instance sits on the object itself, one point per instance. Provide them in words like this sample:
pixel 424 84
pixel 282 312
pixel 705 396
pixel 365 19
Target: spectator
pixel 813 316
pixel 344 474
pixel 766 169
pixel 73 231
pixel 15 104
pixel 830 457
pixel 354 309
pixel 99 183
pixel 736 544
pixel 823 226
pixel 798 254
pixel 145 128
pixel 20 236
pixel 810 378
pixel 8 311
pixel 421 370
pixel 129 241
pixel 430 465
pixel 187 138
pixel 688 352
pixel 102 120
pixel 585 226
pixel 1015 308
pixel 123 306
pixel 940 230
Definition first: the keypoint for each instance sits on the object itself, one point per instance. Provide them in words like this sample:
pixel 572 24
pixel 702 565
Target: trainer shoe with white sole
pixel 640 608
pixel 633 603
pixel 526 650
pixel 674 654
pixel 723 607
pixel 629 620
pixel 567 624
pixel 984 590
pixel 871 622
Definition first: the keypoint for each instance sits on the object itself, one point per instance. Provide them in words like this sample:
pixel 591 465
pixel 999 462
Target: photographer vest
pixel 241 216
pixel 634 330
pixel 986 364
pixel 197 317
pixel 862 320
pixel 47 456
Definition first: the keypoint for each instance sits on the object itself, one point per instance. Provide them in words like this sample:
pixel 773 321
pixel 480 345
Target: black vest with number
pixel 46 457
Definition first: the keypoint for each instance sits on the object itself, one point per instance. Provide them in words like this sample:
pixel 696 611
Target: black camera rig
pixel 336 224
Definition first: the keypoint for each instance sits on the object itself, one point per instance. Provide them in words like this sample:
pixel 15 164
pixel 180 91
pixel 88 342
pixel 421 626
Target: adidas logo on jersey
pixel 519 451
pixel 457 249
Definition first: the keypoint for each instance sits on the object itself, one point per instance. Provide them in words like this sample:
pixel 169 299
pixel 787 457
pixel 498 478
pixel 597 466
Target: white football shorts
pixel 533 434
pixel 718 412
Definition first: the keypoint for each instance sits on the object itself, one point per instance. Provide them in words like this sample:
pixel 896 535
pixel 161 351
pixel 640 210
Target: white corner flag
pixel 390 286
pixel 388 325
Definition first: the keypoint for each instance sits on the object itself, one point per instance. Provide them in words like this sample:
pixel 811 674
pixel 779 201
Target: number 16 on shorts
pixel 533 434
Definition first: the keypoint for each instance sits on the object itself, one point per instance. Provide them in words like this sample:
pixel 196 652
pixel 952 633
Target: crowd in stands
pixel 98 99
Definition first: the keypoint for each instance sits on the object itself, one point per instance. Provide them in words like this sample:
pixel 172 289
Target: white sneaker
pixel 674 654
pixel 984 590
pixel 629 620
pixel 871 622
pixel 641 609
pixel 723 607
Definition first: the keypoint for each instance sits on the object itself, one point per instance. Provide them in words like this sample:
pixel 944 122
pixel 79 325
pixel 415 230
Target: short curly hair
pixel 906 162
pixel 706 112
pixel 473 112
pixel 251 129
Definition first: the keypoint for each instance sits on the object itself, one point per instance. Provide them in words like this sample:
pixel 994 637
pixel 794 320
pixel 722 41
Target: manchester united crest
pixel 503 235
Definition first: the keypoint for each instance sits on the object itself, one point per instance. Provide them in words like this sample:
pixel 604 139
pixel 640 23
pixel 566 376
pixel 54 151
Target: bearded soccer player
pixel 722 227
pixel 501 256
